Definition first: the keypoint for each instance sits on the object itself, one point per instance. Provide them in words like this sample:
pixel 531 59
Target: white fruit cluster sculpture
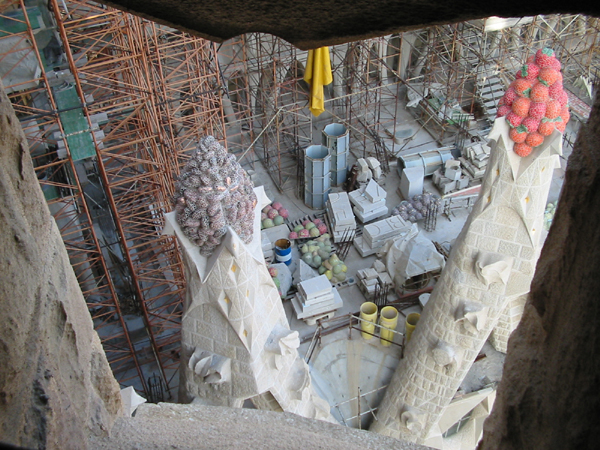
pixel 212 193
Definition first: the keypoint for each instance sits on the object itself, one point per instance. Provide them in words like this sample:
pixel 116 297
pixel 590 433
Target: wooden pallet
pixel 320 215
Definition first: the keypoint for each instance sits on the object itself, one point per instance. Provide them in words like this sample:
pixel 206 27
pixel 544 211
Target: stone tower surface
pixel 491 264
pixel 236 341
pixel 508 322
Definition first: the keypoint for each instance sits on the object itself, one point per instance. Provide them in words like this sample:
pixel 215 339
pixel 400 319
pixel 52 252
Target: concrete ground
pixel 350 372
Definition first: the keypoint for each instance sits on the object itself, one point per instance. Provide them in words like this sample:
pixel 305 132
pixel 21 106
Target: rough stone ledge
pixel 170 425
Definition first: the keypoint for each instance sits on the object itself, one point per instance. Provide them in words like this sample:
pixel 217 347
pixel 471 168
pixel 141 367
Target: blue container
pixel 336 137
pixel 283 251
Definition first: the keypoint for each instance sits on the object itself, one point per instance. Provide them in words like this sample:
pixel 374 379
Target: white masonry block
pixel 315 287
pixel 453 173
pixel 411 182
pixel 374 192
pixel 375 167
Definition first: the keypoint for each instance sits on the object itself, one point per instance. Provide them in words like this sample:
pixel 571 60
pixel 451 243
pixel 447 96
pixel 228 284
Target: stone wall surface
pixel 199 427
pixel 315 23
pixel 508 322
pixel 56 387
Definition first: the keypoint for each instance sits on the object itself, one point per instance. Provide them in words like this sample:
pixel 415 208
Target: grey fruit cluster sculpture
pixel 214 192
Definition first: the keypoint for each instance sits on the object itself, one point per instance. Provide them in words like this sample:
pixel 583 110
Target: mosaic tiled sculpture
pixel 236 341
pixel 491 264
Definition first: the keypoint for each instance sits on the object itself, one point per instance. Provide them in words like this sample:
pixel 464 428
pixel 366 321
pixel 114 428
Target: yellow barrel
pixel 387 319
pixel 411 323
pixel 368 314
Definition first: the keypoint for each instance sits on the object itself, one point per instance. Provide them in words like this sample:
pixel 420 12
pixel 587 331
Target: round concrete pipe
pixel 317 177
pixel 388 321
pixel 411 322
pixel 368 314
pixel 430 160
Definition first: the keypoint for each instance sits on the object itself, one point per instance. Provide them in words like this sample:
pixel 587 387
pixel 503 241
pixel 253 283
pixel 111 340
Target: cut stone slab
pixel 375 167
pixel 363 165
pixel 385 279
pixel 340 215
pixel 315 287
pixel 315 301
pixel 365 217
pixel 304 272
pixel 376 234
pixel 340 209
pixel 374 192
pixel 462 183
pixel 379 265
pixel 363 248
pixel 372 162
pixel 453 173
pixel 307 312
pixel 367 274
pixel 362 202
pixel 411 182
pixel 447 185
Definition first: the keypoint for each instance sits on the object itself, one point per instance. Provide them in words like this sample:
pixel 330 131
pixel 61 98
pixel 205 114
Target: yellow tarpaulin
pixel 318 74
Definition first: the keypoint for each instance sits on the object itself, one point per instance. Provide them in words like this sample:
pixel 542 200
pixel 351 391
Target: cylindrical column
pixel 317 177
pixel 336 138
pixel 388 321
pixel 368 314
pixel 411 323
pixel 430 160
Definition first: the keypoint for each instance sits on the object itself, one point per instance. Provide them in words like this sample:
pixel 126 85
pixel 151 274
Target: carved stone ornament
pixel 212 368
pixel 282 342
pixel 472 315
pixel 493 267
pixel 413 418
pixel 444 354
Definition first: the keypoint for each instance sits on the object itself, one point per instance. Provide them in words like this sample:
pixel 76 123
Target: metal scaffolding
pixel 462 70
pixel 112 106
pixel 116 106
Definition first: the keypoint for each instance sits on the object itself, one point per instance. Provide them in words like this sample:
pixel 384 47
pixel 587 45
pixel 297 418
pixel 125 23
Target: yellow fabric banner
pixel 318 74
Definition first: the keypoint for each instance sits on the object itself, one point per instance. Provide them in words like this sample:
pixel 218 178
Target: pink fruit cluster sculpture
pixel 212 193
pixel 535 103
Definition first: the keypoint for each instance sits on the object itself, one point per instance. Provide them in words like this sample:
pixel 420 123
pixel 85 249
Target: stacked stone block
pixel 341 218
pixel 369 202
pixel 316 297
pixel 376 234
pixel 474 159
